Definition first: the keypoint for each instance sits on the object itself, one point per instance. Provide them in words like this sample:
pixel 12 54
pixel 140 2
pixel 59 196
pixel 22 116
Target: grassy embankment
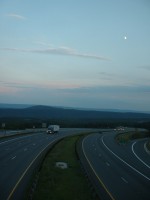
pixel 62 184
pixel 148 145
pixel 126 137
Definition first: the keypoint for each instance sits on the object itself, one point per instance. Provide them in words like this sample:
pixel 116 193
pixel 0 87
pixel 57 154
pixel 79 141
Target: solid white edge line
pixel 23 174
pixel 124 161
pixel 138 156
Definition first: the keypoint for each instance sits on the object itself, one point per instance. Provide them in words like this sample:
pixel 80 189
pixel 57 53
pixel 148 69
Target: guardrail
pixel 7 133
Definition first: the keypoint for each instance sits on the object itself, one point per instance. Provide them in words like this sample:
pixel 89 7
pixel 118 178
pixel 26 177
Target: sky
pixel 75 53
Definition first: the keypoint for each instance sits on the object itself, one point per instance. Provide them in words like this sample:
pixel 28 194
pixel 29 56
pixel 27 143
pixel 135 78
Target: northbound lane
pixel 115 168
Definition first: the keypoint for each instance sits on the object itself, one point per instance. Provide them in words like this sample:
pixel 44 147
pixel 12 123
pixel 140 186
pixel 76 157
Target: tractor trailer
pixel 53 129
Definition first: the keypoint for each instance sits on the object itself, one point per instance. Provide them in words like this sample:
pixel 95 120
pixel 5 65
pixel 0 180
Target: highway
pixel 18 158
pixel 118 172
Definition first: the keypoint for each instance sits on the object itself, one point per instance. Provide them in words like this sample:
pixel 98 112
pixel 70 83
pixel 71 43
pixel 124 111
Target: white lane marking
pixel 13 157
pixel 147 151
pixel 101 182
pixel 138 156
pixel 124 161
pixel 24 173
pixel 124 180
pixel 18 138
pixel 107 164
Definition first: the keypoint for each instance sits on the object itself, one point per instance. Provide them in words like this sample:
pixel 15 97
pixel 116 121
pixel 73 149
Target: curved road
pixel 118 172
pixel 17 157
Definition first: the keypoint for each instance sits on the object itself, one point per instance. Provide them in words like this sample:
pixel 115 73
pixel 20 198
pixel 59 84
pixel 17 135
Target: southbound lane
pixel 18 154
pixel 115 168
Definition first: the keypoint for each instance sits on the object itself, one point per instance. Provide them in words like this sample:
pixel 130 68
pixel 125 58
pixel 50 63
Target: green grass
pixel 126 137
pixel 62 184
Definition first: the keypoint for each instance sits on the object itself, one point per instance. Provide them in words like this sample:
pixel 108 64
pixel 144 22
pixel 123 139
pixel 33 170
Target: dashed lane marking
pixel 101 182
pixel 124 161
pixel 107 164
pixel 124 180
pixel 13 157
pixel 24 173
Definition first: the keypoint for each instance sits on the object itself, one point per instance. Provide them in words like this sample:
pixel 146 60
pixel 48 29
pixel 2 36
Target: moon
pixel 125 37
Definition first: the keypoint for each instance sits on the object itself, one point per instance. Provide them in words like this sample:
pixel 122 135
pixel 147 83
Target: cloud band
pixel 58 51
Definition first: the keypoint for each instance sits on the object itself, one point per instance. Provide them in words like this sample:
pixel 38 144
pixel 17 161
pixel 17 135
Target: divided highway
pixel 118 172
pixel 18 156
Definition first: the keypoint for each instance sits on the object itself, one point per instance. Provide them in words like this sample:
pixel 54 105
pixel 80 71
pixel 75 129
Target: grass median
pixel 62 184
pixel 126 137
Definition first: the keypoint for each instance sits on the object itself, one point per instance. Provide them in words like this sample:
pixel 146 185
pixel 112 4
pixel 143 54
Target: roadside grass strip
pixel 126 137
pixel 148 145
pixel 56 183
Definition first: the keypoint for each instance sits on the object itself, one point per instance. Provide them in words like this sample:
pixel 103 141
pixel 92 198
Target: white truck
pixel 53 129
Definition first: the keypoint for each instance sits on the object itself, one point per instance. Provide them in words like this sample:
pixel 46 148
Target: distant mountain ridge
pixel 49 112
pixel 5 105
pixel 19 106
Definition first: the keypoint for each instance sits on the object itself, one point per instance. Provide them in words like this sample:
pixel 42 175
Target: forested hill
pixel 47 112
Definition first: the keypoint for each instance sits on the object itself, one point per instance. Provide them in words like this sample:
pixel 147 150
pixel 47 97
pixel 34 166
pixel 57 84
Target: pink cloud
pixel 8 90
pixel 14 87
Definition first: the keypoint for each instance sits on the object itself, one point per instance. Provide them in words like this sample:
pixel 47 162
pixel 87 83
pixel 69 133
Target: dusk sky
pixel 75 53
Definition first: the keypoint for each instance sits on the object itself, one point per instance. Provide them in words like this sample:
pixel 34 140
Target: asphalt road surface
pixel 119 172
pixel 17 157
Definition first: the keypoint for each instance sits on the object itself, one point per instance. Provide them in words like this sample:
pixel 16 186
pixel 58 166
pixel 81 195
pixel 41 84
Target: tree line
pixel 20 123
